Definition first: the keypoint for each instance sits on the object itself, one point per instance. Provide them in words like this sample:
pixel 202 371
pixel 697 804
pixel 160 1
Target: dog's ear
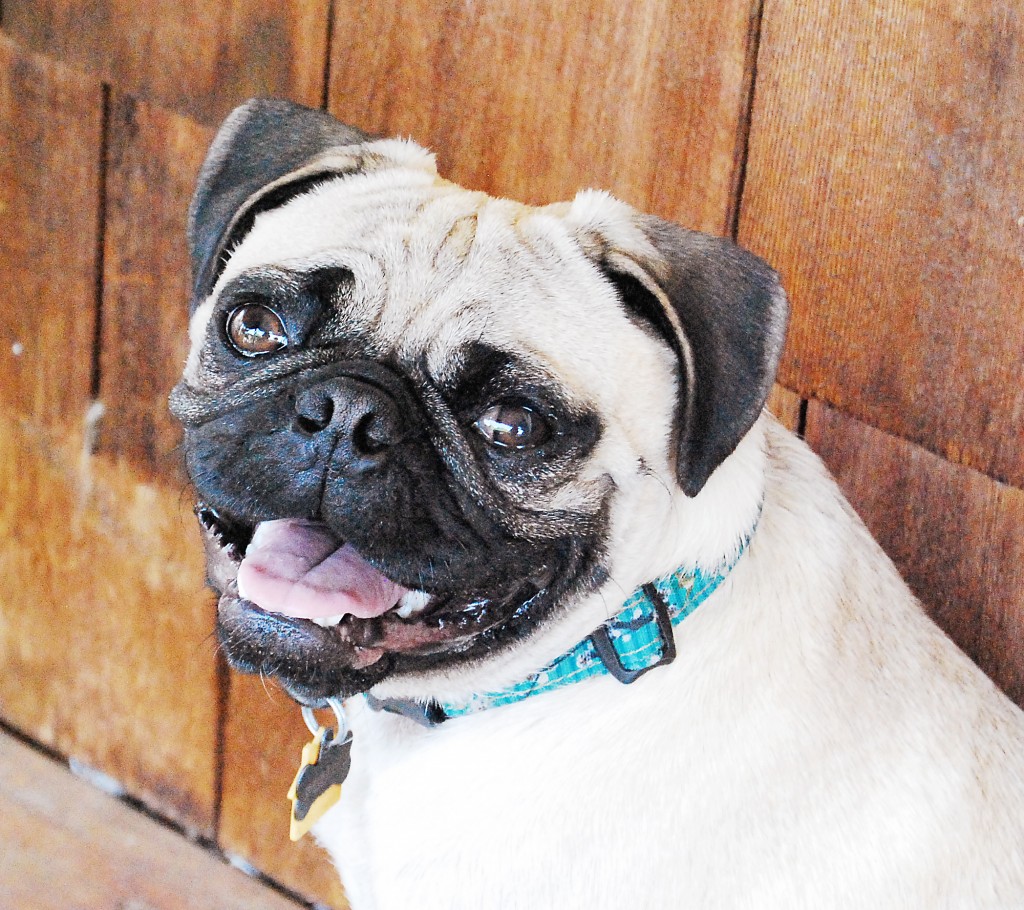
pixel 266 152
pixel 720 308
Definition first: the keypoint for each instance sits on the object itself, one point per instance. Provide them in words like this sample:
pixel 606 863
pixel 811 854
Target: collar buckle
pixel 605 647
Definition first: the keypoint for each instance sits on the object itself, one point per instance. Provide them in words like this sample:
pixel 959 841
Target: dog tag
pixel 317 786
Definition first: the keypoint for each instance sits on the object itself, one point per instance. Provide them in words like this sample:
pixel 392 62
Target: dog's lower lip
pixel 258 640
pixel 366 632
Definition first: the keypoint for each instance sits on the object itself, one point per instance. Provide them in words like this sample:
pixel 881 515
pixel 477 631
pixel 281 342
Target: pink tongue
pixel 298 568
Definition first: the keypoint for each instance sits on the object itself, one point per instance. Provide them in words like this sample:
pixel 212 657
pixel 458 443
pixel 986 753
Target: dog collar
pixel 637 639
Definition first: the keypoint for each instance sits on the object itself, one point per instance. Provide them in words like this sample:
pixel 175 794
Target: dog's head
pixel 425 424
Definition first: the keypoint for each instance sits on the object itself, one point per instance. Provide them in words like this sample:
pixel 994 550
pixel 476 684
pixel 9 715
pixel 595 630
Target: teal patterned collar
pixel 638 638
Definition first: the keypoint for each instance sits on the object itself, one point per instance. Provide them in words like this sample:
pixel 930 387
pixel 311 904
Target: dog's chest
pixel 600 790
pixel 516 808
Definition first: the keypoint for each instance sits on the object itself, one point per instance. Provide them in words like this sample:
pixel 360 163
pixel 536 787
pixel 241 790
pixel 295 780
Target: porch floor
pixel 65 843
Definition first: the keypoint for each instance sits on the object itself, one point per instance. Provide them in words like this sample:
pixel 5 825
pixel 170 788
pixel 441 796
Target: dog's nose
pixel 365 418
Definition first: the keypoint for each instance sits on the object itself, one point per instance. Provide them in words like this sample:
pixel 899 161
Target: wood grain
pixel 104 625
pixel 956 535
pixel 50 141
pixel 785 405
pixel 200 57
pixel 263 741
pixel 536 100
pixel 153 159
pixel 884 181
pixel 105 628
pixel 50 126
pixel 67 844
pixel 163 616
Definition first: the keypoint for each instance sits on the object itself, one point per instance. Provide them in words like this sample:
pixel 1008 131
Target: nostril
pixel 314 411
pixel 370 436
pixel 306 425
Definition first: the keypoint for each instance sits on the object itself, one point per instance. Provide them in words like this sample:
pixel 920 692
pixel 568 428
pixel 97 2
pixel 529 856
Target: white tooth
pixel 328 621
pixel 412 602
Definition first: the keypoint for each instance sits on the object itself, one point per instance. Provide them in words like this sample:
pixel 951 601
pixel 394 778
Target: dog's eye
pixel 254 329
pixel 512 426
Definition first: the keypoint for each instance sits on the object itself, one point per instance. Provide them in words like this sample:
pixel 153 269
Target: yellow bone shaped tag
pixel 317 786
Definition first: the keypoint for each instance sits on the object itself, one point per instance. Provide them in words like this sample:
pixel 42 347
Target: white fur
pixel 817 743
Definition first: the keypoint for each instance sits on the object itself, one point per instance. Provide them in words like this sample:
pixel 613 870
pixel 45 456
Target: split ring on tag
pixel 324 767
pixel 314 726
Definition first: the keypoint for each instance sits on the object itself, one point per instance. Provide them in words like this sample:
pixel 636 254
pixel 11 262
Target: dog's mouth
pixel 298 603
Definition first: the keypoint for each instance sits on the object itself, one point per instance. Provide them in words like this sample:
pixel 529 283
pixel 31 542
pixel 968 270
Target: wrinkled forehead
pixel 437 268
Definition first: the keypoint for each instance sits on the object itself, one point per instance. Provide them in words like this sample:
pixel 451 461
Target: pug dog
pixel 496 481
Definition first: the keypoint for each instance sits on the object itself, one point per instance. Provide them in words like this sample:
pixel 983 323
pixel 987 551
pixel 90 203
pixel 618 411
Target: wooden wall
pixel 873 151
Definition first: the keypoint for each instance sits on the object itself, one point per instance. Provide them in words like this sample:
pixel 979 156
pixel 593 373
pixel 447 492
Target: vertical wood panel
pixel 50 139
pixel 955 534
pixel 154 157
pixel 263 740
pixel 198 56
pixel 50 124
pixel 163 616
pixel 104 624
pixel 536 100
pixel 884 181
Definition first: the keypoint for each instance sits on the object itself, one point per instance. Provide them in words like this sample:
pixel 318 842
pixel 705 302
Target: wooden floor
pixel 64 844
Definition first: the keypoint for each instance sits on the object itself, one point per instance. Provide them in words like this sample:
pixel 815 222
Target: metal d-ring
pixel 339 712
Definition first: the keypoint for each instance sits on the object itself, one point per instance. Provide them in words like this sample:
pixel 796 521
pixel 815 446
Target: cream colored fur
pixel 817 743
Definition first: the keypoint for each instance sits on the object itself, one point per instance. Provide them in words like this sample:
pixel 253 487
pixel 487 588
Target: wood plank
pixel 67 844
pixel 201 57
pixel 785 405
pixel 955 534
pixel 50 125
pixel 154 157
pixel 536 100
pixel 886 150
pixel 105 629
pixel 263 740
pixel 50 151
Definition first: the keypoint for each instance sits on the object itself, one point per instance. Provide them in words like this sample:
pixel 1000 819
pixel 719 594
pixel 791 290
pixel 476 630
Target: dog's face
pixel 413 414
